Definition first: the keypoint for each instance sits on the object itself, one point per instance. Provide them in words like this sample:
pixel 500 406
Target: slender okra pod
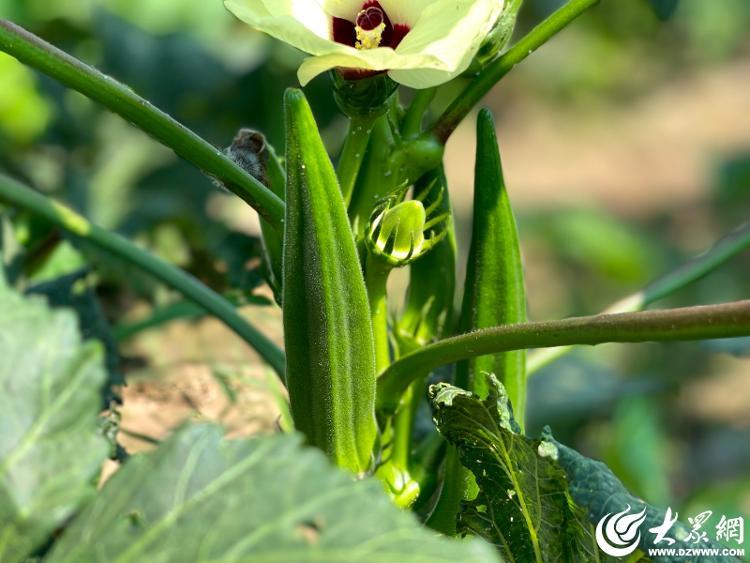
pixel 494 291
pixel 493 295
pixel 328 333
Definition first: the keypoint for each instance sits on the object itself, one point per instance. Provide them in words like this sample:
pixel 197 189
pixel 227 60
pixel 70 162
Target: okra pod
pixel 494 291
pixel 493 295
pixel 327 330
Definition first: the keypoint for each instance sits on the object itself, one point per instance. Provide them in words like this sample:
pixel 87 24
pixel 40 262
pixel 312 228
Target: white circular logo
pixel 618 534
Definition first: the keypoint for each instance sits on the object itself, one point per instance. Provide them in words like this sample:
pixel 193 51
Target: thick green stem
pixel 402 430
pixel 690 323
pixel 20 196
pixel 412 124
pixel 376 280
pixel 724 250
pixel 352 154
pixel 376 178
pixel 496 70
pixel 35 52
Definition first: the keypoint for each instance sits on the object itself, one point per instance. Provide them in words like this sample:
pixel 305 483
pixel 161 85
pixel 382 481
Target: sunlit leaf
pixel 523 505
pixel 199 498
pixel 50 450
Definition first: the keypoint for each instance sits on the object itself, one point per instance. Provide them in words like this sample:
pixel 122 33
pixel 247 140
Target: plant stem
pixel 496 70
pixel 376 280
pixel 20 196
pixel 689 323
pixel 412 123
pixel 352 154
pixel 35 52
pixel 694 270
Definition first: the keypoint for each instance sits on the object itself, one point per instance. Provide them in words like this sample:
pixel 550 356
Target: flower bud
pixel 497 39
pixel 401 231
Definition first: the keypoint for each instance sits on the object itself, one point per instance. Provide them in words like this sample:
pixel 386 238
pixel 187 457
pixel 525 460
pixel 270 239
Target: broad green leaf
pixel 50 395
pixel 523 505
pixel 75 292
pixel 200 498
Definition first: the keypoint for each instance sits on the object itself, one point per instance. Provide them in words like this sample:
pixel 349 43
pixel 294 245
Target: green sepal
pixel 328 333
pixel 401 231
pixel 367 97
pixel 497 39
pixel 428 308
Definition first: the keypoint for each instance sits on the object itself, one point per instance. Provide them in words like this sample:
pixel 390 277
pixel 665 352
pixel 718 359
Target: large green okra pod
pixel 494 291
pixel 327 330
pixel 493 295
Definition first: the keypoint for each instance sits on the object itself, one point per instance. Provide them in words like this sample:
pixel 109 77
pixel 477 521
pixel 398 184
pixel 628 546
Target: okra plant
pixel 358 363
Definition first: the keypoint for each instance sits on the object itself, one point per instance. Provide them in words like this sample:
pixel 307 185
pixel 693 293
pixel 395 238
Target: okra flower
pixel 419 43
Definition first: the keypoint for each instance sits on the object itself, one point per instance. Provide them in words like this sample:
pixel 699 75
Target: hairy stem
pixel 352 154
pixel 20 196
pixel 496 70
pixel 689 323
pixel 35 52
pixel 376 280
pixel 730 246
pixel 412 123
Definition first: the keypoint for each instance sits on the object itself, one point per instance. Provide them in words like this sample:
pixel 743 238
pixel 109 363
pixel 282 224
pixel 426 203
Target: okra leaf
pixel 199 497
pixel 75 292
pixel 539 500
pixel 50 395
pixel 523 505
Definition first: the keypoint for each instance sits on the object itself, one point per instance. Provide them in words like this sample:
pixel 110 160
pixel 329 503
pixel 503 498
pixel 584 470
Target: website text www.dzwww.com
pixel 695 552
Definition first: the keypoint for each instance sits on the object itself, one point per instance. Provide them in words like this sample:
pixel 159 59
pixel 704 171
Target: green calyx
pixel 497 39
pixel 327 327
pixel 367 97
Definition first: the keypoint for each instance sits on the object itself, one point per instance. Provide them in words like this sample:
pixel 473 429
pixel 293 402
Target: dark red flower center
pixel 369 18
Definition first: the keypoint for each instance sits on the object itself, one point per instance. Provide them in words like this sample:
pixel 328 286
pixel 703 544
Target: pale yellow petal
pixel 405 12
pixel 382 58
pixel 346 9
pixel 300 23
pixel 448 29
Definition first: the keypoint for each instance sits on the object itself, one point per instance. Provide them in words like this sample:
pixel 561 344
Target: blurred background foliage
pixel 627 150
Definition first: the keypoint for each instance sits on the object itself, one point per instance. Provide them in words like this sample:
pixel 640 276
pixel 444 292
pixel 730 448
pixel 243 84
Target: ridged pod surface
pixel 327 329
pixel 493 295
pixel 494 291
